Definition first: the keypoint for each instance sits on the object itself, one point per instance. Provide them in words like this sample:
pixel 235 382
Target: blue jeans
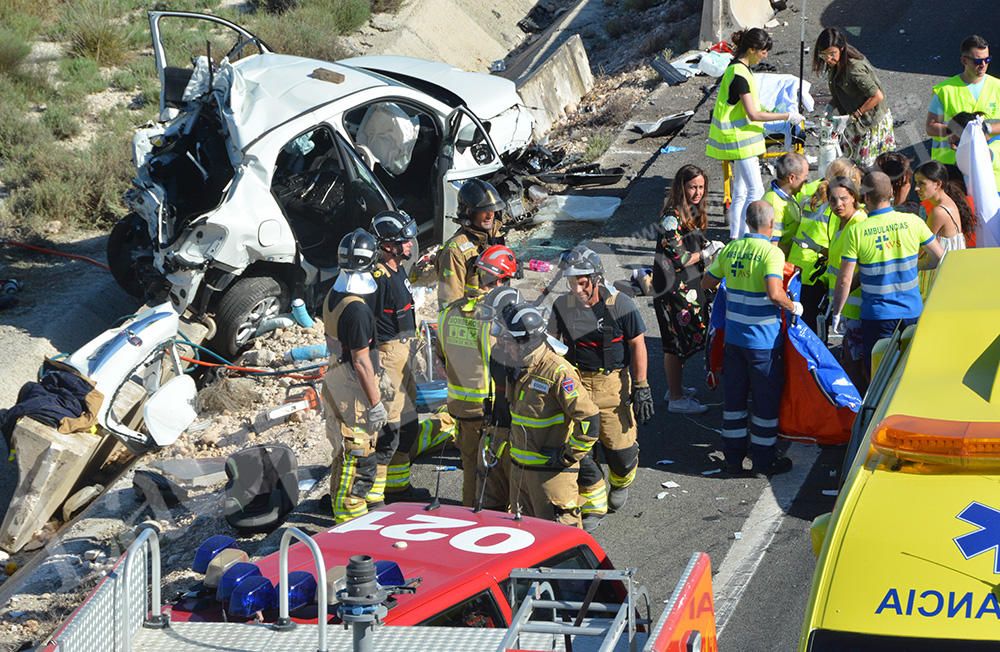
pixel 757 373
pixel 872 330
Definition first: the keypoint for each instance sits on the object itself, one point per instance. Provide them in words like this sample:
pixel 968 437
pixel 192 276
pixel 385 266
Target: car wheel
pixel 130 256
pixel 247 303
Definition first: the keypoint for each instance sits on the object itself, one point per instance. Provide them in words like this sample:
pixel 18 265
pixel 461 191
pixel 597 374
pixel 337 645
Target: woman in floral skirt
pixel 682 253
pixel 856 91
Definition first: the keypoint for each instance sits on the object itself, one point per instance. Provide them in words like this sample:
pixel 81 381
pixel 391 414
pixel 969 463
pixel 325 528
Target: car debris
pixel 577 208
pixel 584 175
pixel 665 126
pixel 242 188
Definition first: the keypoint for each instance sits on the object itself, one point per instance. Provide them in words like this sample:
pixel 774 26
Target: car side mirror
pixel 817 532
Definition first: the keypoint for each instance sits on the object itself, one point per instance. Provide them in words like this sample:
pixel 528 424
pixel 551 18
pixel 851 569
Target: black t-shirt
pixel 581 328
pixel 738 87
pixel 392 304
pixel 355 328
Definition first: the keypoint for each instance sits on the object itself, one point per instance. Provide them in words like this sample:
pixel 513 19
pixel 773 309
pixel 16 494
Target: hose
pixel 255 372
pixel 53 252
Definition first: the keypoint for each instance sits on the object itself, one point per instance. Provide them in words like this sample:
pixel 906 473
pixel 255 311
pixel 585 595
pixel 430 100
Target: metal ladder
pixel 571 618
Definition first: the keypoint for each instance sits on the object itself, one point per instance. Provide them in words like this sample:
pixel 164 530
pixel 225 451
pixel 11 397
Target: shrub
pixel 616 26
pixel 597 145
pixel 654 43
pixel 13 49
pixel 61 120
pixel 641 5
pixel 349 15
pixel 386 6
pixel 95 30
pixel 80 76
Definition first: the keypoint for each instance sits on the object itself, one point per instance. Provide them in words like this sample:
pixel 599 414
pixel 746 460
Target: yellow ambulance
pixel 910 557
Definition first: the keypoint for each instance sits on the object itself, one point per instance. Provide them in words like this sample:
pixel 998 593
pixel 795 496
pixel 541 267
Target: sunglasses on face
pixel 980 60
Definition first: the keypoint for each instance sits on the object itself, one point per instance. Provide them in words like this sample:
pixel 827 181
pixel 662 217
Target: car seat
pixel 262 487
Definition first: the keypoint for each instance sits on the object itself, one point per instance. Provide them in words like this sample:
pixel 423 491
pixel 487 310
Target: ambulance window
pixel 480 610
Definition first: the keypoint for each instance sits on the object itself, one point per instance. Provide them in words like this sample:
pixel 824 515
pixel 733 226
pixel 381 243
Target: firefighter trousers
pixel 494 469
pixel 414 440
pixel 618 438
pixel 545 492
pixel 352 471
pixel 469 433
pixel 397 376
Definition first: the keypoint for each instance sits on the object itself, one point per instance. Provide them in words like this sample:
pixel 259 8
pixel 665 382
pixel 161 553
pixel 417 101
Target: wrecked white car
pixel 262 161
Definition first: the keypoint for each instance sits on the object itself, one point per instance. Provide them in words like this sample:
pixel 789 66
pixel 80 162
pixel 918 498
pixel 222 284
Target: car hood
pixel 915 553
pixel 486 95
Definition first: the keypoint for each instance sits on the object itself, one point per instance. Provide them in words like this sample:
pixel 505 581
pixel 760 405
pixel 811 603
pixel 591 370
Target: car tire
pixel 243 307
pixel 130 255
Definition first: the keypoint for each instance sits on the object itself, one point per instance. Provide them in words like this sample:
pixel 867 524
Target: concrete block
pixel 557 83
pixel 720 18
pixel 50 464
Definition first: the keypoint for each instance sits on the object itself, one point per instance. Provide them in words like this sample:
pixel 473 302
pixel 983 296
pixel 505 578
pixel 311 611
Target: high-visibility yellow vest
pixel 812 240
pixel 732 135
pixel 955 97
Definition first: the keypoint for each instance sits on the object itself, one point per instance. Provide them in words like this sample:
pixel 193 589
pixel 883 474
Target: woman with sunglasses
pixel 972 90
pixel 856 91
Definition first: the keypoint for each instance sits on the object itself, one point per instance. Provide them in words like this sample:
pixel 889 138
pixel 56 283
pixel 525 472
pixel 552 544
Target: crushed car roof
pixel 485 95
pixel 268 90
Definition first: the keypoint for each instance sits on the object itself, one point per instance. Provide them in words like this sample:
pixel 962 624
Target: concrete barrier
pixel 720 18
pixel 557 83
pixel 50 463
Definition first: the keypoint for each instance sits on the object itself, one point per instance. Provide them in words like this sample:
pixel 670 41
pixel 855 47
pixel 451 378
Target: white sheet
pixel 975 162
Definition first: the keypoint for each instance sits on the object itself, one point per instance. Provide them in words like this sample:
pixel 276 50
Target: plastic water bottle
pixel 539 265
pixel 300 314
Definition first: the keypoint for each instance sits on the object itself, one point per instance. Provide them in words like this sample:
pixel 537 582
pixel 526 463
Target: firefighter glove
pixel 557 458
pixel 642 402
pixel 377 417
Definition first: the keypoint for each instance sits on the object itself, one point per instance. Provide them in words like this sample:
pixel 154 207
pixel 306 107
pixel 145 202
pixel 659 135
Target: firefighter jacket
pixel 465 343
pixel 456 262
pixel 553 419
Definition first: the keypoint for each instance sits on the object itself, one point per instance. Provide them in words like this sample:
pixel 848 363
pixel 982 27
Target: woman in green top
pixel 856 91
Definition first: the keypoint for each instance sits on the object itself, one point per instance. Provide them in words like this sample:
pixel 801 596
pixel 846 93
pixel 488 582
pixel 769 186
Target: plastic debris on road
pixel 830 492
pixel 664 462
pixel 737 535
pixel 577 208
pixel 670 149
pixel 669 484
pixel 711 472
pixel 662 495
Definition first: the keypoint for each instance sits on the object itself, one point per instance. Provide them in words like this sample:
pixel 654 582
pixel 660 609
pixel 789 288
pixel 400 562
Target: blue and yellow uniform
pixel 753 360
pixel 885 247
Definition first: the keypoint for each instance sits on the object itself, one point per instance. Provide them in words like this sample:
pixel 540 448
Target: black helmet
pixel 492 306
pixel 357 251
pixel 393 226
pixel 478 195
pixel 581 261
pixel 524 322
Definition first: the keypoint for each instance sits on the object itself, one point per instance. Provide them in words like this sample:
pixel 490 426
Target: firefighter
pixel 479 206
pixel 604 333
pixel 494 450
pixel 465 342
pixel 554 423
pixel 355 413
pixel 395 328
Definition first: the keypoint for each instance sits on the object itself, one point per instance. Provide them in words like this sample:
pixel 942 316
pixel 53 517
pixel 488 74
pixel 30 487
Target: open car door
pixel 181 38
pixel 467 152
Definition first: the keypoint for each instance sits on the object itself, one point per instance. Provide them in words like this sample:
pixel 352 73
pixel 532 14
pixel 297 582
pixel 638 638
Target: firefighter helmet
pixel 357 251
pixel 499 261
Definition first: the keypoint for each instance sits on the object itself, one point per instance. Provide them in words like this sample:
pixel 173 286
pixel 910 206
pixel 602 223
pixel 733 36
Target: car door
pixel 467 152
pixel 180 38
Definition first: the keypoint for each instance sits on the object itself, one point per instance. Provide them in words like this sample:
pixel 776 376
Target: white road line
pixel 746 553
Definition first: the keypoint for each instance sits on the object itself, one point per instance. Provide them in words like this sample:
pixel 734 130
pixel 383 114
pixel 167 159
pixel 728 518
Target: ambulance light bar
pixel 939 441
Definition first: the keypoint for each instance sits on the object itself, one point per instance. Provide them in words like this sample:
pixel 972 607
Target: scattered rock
pixel 228 393
pixel 53 227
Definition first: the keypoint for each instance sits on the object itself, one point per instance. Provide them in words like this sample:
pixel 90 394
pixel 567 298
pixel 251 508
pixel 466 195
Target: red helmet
pixel 499 261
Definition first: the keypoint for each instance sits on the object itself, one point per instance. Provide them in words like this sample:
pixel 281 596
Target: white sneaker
pixel 687 405
pixel 689 392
